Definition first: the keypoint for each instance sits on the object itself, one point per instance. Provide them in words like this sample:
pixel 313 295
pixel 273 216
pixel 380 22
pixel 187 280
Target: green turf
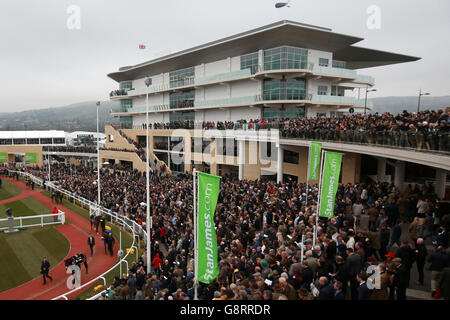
pixel 25 207
pixel 8 190
pixel 22 253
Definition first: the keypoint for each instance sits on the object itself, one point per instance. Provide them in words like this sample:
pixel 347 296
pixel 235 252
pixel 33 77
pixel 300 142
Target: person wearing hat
pixel 380 293
pixel 401 278
pixel 390 270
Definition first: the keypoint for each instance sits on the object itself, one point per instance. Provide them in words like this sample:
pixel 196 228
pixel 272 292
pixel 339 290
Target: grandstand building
pixel 282 70
pixel 27 146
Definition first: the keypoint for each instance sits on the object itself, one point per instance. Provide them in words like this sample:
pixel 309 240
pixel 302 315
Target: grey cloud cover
pixel 43 64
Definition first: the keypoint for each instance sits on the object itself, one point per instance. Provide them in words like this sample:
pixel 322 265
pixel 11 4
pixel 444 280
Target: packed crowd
pixel 70 149
pixel 259 227
pixel 426 130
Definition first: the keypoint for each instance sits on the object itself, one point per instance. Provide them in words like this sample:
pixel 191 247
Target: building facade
pixel 282 70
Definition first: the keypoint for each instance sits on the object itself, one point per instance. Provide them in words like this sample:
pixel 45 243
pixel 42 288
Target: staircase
pixel 132 146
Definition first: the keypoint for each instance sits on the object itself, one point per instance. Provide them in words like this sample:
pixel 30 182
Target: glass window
pixel 250 61
pixel 126 122
pixel 290 156
pixel 59 140
pixel 33 141
pixel 182 77
pixel 125 105
pixel 336 91
pixel 126 85
pixel 323 62
pixel 46 141
pixel 183 99
pixel 285 58
pixel 322 90
pixel 339 64
pixel 20 141
pixel 5 141
pixel 287 89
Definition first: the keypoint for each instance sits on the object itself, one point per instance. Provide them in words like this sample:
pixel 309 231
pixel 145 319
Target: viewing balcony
pixel 308 70
pixel 304 99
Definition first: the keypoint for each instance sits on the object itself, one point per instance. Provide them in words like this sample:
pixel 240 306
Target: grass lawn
pixel 25 207
pixel 8 190
pixel 22 253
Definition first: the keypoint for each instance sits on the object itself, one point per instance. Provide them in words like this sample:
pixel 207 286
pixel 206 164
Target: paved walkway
pixel 77 232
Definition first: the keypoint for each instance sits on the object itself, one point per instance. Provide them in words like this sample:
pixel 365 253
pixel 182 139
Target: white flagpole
pixel 319 195
pixel 149 217
pixel 194 220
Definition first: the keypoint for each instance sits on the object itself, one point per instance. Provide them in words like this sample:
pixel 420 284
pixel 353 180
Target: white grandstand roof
pixel 32 134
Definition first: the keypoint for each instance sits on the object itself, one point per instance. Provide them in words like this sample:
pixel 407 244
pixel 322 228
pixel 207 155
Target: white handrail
pixel 23 220
pixel 124 221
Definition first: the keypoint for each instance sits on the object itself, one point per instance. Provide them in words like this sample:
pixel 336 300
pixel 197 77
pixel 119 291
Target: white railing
pixel 35 220
pixel 123 221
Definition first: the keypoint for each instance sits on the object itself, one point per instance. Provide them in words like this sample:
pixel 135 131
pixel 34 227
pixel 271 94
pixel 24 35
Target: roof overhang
pixel 281 33
pixel 360 58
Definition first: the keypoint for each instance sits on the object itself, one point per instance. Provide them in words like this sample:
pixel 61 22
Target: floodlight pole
pixel 149 218
pixel 98 162
pixel 420 95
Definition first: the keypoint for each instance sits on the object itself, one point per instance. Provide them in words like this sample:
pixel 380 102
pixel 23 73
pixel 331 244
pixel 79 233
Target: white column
pixel 399 179
pixel 261 59
pixel 241 158
pixel 381 169
pixel 280 160
pixel 441 179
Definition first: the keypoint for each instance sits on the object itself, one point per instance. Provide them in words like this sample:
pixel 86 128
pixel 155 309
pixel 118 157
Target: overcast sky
pixel 44 64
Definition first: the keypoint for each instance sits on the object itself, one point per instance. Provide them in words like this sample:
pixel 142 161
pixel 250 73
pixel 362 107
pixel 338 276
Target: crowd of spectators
pixel 259 227
pixel 75 149
pixel 426 130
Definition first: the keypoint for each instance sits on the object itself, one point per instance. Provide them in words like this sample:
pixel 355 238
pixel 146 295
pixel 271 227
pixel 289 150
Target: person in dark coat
pixel 420 258
pixel 401 278
pixel 326 291
pixel 45 268
pixel 384 239
pixel 342 274
pixel 110 241
pixel 91 243
pixel 354 264
pixel 338 292
pixel 306 275
pixel 363 290
pixel 406 253
pixel 396 234
pixel 444 283
pixel 438 262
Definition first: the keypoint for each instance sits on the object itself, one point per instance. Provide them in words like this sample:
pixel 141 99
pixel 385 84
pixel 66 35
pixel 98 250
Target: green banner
pixel 208 193
pixel 3 157
pixel 314 160
pixel 31 157
pixel 330 182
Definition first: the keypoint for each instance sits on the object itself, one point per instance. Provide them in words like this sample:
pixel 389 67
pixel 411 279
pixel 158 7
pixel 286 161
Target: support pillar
pixel 399 179
pixel 381 169
pixel 441 179
pixel 280 161
pixel 241 158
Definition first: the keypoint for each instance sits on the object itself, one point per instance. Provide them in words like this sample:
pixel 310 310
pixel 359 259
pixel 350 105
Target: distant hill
pixel 75 117
pixel 83 116
pixel 398 104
